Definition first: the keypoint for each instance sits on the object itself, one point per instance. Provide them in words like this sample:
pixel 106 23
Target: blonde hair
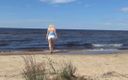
pixel 51 27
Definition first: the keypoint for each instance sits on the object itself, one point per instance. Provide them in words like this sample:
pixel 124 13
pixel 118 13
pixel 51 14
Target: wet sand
pixel 97 66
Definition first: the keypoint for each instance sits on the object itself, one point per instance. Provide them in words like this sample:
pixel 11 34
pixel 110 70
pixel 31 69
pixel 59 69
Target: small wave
pixel 76 45
pixel 107 45
pixel 92 46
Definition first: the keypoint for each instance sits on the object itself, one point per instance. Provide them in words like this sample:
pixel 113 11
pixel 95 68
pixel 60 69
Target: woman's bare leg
pixel 51 45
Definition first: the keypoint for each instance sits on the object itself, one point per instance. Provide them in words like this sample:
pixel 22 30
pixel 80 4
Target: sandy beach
pixel 97 66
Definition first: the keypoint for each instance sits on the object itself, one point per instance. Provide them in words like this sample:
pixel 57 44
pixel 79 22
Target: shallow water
pixel 34 39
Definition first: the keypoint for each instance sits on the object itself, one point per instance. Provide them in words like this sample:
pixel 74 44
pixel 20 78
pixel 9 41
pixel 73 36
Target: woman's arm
pixel 47 34
pixel 56 34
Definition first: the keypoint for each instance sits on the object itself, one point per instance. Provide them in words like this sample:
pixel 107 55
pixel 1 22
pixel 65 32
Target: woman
pixel 51 36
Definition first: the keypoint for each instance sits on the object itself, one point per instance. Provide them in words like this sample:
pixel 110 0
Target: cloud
pixel 57 1
pixel 124 9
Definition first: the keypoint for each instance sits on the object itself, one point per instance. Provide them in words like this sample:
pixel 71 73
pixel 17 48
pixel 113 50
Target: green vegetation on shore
pixel 41 71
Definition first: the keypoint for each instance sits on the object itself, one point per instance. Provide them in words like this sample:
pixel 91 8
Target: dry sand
pixel 99 66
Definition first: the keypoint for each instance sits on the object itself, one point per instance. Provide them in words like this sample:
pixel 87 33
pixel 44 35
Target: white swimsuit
pixel 52 35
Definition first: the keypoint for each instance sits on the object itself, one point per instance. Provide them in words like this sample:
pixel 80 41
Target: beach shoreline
pixel 98 66
pixel 63 52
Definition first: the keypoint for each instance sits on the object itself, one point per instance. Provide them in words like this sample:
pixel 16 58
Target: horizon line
pixel 64 28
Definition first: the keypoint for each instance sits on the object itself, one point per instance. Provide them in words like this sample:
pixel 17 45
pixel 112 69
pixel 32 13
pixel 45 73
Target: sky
pixel 65 14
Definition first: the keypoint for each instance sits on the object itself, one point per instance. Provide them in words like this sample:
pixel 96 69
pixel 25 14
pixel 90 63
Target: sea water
pixel 35 39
